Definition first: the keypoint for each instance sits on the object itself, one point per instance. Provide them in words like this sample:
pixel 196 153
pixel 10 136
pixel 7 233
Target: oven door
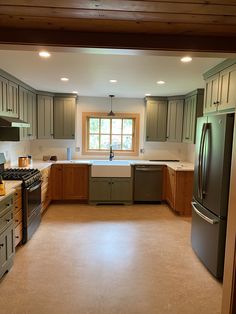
pixel 33 198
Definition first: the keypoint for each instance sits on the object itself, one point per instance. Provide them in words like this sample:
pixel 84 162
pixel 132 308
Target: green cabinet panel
pixel 64 117
pixel 45 116
pixel 175 120
pixel 110 190
pixel 156 119
pixel 8 98
pixel 31 116
pixel 100 189
pixel 193 108
pixel 23 108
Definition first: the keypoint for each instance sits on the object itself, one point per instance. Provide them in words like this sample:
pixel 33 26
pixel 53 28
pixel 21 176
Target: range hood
pixel 13 122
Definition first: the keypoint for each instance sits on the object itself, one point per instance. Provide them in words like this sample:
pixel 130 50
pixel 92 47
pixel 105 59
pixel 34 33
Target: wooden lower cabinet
pixel 18 215
pixel 45 189
pixel 178 190
pixel 69 182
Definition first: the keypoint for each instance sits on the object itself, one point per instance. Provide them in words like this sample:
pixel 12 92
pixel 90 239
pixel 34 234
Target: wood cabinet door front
pixel 75 182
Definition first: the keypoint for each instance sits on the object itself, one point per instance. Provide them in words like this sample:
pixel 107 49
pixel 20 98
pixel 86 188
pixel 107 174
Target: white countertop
pixel 177 166
pixel 10 188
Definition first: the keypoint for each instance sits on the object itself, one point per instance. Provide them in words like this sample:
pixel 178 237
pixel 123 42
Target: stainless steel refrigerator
pixel 211 188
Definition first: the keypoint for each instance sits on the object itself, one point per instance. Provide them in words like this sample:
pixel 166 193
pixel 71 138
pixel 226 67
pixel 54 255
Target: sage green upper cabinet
pixel 220 91
pixel 193 108
pixel 32 116
pixel 156 118
pixel 8 98
pixel 64 117
pixel 175 119
pixel 45 116
pixel 23 109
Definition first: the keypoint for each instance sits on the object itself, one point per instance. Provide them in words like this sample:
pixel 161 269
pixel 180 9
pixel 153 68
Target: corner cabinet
pixel 110 190
pixel 193 108
pixel 69 182
pixel 175 119
pixel 220 92
pixel 64 117
pixel 156 118
pixel 8 98
pixel 45 116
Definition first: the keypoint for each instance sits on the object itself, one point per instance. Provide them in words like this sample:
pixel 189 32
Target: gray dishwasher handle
pixel 209 220
pixel 148 169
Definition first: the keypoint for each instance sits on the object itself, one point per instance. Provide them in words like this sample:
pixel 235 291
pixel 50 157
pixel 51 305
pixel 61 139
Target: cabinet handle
pixel 9 109
pixel 29 134
pixel 73 135
pixel 7 220
pixel 1 245
pixel 16 220
pixel 17 237
pixel 167 137
pixel 7 205
pixel 187 138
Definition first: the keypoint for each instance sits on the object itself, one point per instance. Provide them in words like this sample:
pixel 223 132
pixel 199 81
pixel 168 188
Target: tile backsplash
pixel 12 150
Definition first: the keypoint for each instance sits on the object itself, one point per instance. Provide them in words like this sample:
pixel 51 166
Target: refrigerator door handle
pixel 207 219
pixel 205 161
pixel 200 161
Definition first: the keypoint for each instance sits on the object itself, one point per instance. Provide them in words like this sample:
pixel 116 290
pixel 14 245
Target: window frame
pixel 85 133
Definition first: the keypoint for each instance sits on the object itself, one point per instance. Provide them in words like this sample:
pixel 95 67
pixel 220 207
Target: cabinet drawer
pixel 18 193
pixel 6 204
pixel 17 205
pixel 18 234
pixel 6 220
pixel 18 218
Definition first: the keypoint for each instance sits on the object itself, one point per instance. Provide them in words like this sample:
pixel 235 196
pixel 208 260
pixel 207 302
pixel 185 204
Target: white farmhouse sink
pixel 115 168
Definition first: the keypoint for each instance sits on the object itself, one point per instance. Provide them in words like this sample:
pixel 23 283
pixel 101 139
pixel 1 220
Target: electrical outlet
pixel 142 150
pixel 77 149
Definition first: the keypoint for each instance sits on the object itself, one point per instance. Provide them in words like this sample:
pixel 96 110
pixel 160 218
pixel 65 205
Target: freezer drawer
pixel 208 238
pixel 148 183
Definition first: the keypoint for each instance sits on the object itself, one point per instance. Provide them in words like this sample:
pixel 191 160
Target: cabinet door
pixel 64 118
pixel 227 90
pixel 156 120
pixel 45 116
pixel 75 182
pixel 100 189
pixel 7 249
pixel 23 108
pixel 3 96
pixel 175 120
pixel 56 182
pixel 121 189
pixel 31 115
pixel 211 94
pixel 12 105
pixel 189 119
pixel 170 188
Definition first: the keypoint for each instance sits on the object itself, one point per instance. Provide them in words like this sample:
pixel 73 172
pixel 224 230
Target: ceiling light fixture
pixel 147 94
pixel 113 81
pixel 44 54
pixel 74 92
pixel 186 59
pixel 111 113
pixel 64 79
pixel 161 82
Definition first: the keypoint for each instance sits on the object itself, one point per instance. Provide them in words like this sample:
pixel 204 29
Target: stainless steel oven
pixel 31 209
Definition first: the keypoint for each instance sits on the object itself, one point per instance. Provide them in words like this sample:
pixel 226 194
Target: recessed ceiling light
pixel 64 79
pixel 147 94
pixel 75 92
pixel 44 54
pixel 113 81
pixel 161 82
pixel 186 59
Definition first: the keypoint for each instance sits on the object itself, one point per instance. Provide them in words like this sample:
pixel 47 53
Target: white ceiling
pixel 89 72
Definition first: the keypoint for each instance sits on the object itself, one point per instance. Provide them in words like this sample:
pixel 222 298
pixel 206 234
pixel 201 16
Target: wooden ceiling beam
pixel 117 40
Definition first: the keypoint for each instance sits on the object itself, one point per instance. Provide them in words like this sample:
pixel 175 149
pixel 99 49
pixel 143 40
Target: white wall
pixel 13 150
pixel 152 150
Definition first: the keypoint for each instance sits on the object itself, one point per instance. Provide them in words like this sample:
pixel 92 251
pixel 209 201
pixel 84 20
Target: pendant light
pixel 111 113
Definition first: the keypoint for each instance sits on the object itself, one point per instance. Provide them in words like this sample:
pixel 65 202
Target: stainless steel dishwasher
pixel 148 182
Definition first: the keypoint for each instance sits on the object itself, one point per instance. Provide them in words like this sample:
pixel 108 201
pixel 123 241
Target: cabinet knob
pixel 7 220
pixel 187 138
pixel 9 109
pixel 17 237
pixel 1 245
pixel 16 220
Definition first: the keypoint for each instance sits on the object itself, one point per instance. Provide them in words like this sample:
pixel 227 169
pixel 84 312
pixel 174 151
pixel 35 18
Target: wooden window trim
pixel 136 134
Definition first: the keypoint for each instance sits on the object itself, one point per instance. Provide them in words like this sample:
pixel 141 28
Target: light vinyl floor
pixel 109 260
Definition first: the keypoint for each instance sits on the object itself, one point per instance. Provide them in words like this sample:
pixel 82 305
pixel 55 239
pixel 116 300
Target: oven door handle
pixel 34 187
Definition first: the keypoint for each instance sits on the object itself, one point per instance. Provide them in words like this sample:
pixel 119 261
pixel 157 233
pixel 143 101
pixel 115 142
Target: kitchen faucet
pixel 111 156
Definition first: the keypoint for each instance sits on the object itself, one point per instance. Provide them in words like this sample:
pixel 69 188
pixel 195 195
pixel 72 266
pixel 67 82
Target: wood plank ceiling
pixel 199 19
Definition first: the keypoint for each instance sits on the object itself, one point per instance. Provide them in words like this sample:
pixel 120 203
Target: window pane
pixel 116 142
pixel 105 126
pixel 116 126
pixel 127 126
pixel 127 142
pixel 93 141
pixel 105 142
pixel 94 125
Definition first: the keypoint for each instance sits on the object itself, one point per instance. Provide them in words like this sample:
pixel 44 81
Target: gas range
pixel 27 176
